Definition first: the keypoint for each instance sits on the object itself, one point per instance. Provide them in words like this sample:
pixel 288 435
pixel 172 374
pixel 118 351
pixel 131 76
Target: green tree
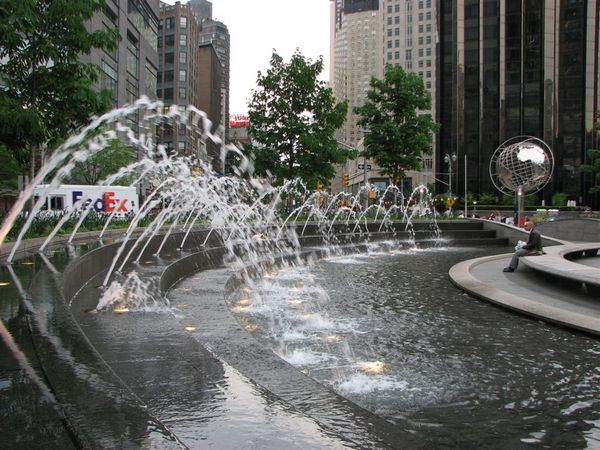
pixel 594 166
pixel 47 92
pixel 104 163
pixel 397 134
pixel 293 117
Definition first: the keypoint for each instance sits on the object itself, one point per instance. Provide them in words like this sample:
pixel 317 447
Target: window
pixel 169 23
pixel 428 84
pixel 389 20
pixel 183 22
pixel 397 20
pixel 420 4
pixel 428 74
pixel 396 31
pixel 428 51
pixel 397 43
pixel 397 7
pixel 420 53
pixel 428 15
pixel 182 40
pixel 182 76
pixel 420 28
pixel 428 28
pixel 428 39
pixel 428 3
pixel 108 79
pixel 389 31
pixel 420 63
pixel 428 63
pixel 132 55
pixel 389 9
pixel 396 55
pixel 389 56
pixel 389 44
pixel 182 58
pixel 408 54
pixel 149 79
pixel 420 40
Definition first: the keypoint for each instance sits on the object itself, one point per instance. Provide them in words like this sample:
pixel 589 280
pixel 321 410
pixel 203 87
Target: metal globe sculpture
pixel 522 164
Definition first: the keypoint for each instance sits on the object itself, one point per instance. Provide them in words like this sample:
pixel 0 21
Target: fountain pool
pixel 387 330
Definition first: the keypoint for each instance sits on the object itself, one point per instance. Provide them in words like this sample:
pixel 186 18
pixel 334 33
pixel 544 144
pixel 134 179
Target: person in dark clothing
pixel 533 247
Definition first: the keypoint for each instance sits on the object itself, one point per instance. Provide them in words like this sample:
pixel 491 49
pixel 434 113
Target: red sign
pixel 238 120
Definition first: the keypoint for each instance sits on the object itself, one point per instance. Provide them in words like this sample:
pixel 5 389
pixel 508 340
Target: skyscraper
pixel 513 68
pixel 366 36
pixel 356 58
pixel 216 33
pixel 178 71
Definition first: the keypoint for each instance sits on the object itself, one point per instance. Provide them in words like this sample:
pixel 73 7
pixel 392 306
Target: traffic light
pixel 345 179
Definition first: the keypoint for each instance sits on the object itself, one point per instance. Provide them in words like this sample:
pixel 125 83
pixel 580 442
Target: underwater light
pixel 190 328
pixel 372 366
pixel 120 310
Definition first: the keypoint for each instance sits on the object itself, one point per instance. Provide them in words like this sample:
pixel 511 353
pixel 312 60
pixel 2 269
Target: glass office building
pixel 518 68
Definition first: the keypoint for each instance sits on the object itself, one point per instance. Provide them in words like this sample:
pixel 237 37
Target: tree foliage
pixel 594 166
pixel 397 135
pixel 46 91
pixel 293 117
pixel 104 163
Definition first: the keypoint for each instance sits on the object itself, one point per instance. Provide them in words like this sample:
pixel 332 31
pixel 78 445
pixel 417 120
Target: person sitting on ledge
pixel 533 247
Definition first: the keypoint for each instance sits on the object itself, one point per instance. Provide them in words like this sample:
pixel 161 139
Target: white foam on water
pixel 361 383
pixel 294 336
pixel 317 322
pixel 343 260
pixel 302 358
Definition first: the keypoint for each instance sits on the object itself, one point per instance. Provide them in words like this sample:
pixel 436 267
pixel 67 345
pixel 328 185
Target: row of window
pixel 396 19
pixel 169 23
pixel 169 40
pixel 422 4
pixel 421 41
pixel 396 31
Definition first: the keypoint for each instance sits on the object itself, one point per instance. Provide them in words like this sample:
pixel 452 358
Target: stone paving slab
pixel 555 263
pixel 527 293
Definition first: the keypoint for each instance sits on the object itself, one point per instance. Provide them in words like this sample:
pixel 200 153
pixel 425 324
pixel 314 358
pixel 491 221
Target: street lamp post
pixel 449 159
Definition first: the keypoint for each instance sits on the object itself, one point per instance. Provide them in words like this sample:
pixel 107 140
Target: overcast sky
pixel 257 27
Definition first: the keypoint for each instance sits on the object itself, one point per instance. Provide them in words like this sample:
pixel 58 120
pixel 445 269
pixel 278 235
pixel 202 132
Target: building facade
pixel 130 71
pixel 216 34
pixel 519 68
pixel 210 100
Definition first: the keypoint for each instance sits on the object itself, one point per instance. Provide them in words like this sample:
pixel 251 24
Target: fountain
pixel 228 289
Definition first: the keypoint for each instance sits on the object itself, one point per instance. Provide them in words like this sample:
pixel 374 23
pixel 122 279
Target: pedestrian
pixel 532 247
